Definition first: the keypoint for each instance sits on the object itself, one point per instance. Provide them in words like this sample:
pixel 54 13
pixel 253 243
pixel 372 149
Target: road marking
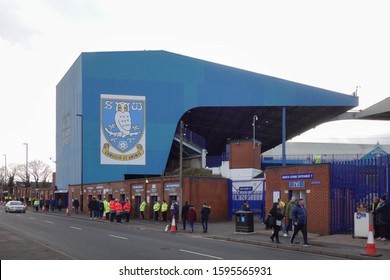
pixel 116 236
pixel 200 254
pixel 76 228
pixel 32 218
pixel 49 222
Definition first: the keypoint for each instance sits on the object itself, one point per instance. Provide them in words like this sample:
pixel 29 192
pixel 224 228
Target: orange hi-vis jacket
pixel 112 205
pixel 127 207
pixel 118 207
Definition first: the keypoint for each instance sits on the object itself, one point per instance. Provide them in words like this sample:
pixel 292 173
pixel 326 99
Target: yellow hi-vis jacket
pixel 164 207
pixel 156 207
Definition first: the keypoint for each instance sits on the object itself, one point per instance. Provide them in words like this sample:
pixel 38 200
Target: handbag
pixel 278 222
pixel 272 221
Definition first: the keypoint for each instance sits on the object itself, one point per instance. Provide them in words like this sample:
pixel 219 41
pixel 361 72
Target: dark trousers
pixel 275 234
pixel 205 224
pixel 112 216
pixel 119 217
pixel 164 216
pixel 382 231
pixel 303 229
pixel 156 215
pixel 107 215
pixel 184 221
pixel 142 215
pixel 127 216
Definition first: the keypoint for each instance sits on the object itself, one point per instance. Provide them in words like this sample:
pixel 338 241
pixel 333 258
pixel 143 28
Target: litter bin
pixel 244 221
pixel 362 222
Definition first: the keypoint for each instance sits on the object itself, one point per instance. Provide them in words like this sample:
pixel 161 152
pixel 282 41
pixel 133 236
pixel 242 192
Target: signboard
pixel 245 189
pixel 296 184
pixel 302 176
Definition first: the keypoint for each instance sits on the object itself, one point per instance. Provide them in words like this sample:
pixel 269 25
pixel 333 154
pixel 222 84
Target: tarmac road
pixel 41 236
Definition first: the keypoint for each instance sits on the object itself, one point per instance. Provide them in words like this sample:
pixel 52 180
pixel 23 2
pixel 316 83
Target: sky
pixel 335 45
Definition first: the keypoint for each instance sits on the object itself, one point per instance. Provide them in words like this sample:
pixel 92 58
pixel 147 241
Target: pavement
pixel 337 245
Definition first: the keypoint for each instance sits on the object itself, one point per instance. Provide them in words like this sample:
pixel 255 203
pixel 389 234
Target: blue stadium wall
pixel 170 85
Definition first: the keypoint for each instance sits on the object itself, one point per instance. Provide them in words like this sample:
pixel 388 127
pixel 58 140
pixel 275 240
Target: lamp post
pixel 255 118
pixel 27 180
pixel 82 177
pixel 181 167
pixel 5 169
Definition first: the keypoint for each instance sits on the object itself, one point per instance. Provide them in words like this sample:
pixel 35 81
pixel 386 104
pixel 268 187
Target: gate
pixel 354 182
pixel 252 191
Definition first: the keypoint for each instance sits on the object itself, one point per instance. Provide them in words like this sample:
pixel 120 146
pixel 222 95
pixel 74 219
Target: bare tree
pixel 22 174
pixel 39 171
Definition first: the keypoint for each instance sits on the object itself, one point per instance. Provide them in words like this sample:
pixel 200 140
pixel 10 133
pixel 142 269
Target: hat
pixel 383 197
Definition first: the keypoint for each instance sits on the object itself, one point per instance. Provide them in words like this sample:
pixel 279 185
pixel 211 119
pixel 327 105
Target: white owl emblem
pixel 123 118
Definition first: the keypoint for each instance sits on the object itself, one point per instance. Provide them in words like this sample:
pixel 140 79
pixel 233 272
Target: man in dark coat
pixel 205 212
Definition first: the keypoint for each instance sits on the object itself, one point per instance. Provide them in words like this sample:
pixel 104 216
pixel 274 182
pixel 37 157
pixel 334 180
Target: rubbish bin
pixel 362 222
pixel 244 221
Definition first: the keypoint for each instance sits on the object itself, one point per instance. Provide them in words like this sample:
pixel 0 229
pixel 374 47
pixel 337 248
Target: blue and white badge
pixel 123 129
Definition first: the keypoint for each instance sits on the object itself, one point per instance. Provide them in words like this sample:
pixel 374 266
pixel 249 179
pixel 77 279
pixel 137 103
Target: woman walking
pixel 276 217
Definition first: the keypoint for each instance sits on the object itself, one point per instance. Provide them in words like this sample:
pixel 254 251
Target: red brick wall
pixel 317 191
pixel 196 191
pixel 242 155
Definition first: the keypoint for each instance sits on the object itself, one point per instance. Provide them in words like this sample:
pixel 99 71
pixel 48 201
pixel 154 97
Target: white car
pixel 15 206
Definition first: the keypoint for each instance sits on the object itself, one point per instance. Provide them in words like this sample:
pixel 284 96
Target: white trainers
pixel 383 239
pixel 306 245
pixel 285 235
pixel 378 238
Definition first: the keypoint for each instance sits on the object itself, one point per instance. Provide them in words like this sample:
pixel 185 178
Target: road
pixel 82 239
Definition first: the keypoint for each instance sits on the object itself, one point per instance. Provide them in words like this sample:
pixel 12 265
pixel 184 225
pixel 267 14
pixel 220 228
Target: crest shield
pixel 122 129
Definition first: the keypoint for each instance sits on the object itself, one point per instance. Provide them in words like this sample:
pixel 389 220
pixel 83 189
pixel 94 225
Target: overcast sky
pixel 336 45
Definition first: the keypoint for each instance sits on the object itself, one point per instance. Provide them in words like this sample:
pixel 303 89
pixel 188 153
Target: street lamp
pixel 5 168
pixel 26 144
pixel 181 167
pixel 82 177
pixel 255 118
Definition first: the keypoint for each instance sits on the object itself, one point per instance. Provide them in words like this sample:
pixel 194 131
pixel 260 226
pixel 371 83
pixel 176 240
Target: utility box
pixel 362 221
pixel 244 221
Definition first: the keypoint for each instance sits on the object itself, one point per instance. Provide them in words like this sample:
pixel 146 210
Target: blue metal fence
pixel 353 182
pixel 252 191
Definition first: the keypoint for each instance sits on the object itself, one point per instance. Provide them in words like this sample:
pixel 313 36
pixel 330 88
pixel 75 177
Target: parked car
pixel 15 206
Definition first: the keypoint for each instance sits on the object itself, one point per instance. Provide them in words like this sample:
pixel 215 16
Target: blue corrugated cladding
pixel 172 84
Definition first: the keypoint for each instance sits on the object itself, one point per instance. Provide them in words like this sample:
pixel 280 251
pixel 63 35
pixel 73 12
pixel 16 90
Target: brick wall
pixel 316 189
pixel 242 154
pixel 196 191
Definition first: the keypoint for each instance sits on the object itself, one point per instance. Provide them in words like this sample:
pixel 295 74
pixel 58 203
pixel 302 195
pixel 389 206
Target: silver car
pixel 15 206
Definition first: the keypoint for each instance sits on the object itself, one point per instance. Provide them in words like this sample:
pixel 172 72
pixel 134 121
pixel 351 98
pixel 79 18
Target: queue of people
pixel 120 211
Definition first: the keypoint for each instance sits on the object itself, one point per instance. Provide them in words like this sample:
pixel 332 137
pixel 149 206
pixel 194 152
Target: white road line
pixel 32 218
pixel 200 254
pixel 76 228
pixel 120 237
pixel 49 222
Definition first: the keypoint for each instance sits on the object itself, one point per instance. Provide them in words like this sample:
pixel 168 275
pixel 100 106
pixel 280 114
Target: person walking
pixel 164 210
pixel 59 204
pixel 36 204
pixel 126 209
pixel 76 205
pixel 184 213
pixel 156 209
pixel 299 219
pixel 174 210
pixel 191 217
pixel 205 213
pixel 142 209
pixel 288 213
pixel 277 217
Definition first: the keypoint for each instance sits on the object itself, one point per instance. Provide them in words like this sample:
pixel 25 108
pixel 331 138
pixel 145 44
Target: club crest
pixel 122 129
